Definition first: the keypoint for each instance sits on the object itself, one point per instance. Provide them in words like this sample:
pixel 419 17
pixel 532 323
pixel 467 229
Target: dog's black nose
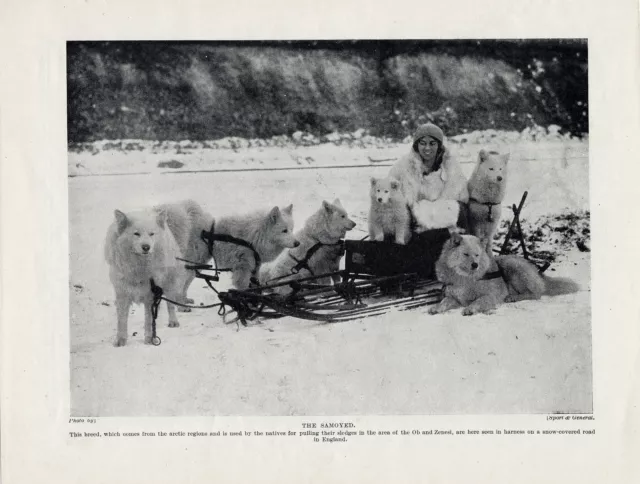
pixel 499 178
pixel 145 247
pixel 380 199
pixel 474 265
pixel 296 243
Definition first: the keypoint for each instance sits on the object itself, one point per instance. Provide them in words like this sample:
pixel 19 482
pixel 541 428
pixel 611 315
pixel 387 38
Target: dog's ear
pixel 288 209
pixel 274 215
pixel 327 206
pixel 161 218
pixel 121 220
pixel 482 155
pixel 374 180
pixel 337 203
pixel 456 238
pixel 394 184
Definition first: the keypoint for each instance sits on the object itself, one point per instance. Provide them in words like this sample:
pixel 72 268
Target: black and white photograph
pixel 329 227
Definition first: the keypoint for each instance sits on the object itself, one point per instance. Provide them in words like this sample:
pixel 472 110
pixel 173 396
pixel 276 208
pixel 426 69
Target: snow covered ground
pixel 528 357
pixel 302 151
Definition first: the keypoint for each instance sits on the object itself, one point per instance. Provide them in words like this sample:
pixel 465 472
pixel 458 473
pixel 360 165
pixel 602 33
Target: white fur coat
pixel 433 198
pixel 448 183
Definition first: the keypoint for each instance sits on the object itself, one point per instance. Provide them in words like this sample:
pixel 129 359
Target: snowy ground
pixel 302 151
pixel 529 357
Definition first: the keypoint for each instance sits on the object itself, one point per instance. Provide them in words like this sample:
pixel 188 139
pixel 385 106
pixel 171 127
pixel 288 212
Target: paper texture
pixel 378 400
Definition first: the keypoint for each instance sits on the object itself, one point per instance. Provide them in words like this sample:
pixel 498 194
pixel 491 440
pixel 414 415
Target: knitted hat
pixel 429 129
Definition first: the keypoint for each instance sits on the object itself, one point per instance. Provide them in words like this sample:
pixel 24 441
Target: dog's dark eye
pixel 137 234
pixel 343 216
pixel 466 254
pixel 152 234
pixel 386 191
pixel 285 231
pixel 491 169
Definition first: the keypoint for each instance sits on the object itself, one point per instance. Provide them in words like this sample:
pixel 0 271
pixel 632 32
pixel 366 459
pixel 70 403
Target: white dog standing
pixel 487 187
pixel 140 248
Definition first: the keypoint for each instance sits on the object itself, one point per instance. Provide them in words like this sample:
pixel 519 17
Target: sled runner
pixel 377 277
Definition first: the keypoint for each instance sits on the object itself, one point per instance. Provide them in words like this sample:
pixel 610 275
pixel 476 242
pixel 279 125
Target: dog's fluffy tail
pixel 555 286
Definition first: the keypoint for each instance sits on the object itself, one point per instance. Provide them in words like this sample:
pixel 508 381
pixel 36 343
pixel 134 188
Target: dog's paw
pixel 147 340
pixel 188 300
pixel 120 341
pixel 174 324
pixel 467 312
pixel 434 310
pixel 182 309
pixel 510 299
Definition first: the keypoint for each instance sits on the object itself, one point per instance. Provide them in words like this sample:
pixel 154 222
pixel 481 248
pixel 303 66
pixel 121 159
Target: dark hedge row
pixel 188 90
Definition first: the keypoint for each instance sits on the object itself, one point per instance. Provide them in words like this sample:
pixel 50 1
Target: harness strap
pixel 209 237
pixel 493 275
pixel 489 205
pixel 300 265
pixel 304 262
pixel 157 298
pixel 487 277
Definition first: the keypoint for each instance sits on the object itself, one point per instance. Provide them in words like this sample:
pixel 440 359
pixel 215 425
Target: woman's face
pixel 428 148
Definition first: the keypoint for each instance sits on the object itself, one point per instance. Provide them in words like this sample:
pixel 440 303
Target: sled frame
pixel 344 301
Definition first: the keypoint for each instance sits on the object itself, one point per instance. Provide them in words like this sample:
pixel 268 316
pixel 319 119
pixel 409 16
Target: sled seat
pixel 366 257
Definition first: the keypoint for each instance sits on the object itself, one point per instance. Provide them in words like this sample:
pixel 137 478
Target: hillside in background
pixel 198 91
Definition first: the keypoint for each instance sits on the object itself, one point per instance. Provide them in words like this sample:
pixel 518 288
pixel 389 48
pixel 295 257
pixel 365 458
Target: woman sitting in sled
pixel 432 182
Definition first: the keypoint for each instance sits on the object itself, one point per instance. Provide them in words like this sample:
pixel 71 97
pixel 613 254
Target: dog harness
pixel 209 237
pixel 493 275
pixel 489 205
pixel 499 274
pixel 304 262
